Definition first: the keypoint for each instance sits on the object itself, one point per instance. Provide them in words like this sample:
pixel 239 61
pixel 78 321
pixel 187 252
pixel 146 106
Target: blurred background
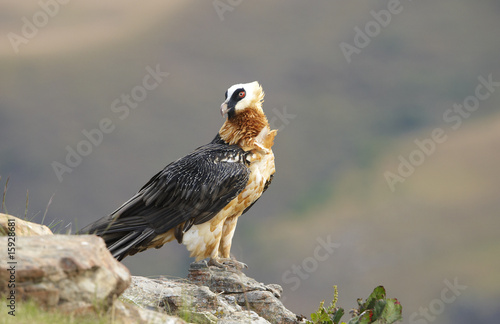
pixel 363 194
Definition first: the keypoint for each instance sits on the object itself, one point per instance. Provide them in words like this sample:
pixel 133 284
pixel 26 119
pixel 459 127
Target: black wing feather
pixel 191 190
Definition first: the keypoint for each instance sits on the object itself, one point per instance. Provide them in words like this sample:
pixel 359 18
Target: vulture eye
pixel 241 94
pixel 225 95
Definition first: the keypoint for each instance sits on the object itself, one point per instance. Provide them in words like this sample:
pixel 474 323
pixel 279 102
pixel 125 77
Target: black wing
pixel 191 190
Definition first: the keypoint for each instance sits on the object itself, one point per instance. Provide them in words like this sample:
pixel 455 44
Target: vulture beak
pixel 224 109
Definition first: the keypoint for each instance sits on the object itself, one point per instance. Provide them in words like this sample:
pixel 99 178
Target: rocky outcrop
pixel 211 295
pixel 21 228
pixel 77 274
pixel 72 273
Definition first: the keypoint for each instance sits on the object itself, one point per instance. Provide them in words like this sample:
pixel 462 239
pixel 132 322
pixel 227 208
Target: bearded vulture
pixel 197 199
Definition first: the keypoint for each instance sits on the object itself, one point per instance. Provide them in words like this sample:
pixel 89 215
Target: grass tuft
pixel 29 312
pixel 4 209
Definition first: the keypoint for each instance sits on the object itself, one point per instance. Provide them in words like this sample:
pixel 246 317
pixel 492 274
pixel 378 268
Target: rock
pixel 211 295
pixel 131 314
pixel 263 299
pixel 77 274
pixel 22 228
pixel 72 273
pixel 182 299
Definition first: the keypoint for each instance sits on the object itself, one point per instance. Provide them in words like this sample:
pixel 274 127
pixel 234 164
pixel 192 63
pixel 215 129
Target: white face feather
pixel 253 96
pixel 250 93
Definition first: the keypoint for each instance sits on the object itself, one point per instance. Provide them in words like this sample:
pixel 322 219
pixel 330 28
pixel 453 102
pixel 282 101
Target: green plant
pixel 376 309
pixel 331 314
pixel 29 312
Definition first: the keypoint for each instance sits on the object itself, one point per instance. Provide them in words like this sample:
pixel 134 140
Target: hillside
pixel 440 224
